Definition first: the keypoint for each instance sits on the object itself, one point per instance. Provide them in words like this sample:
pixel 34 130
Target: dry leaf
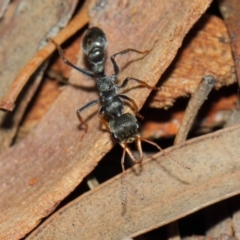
pixel 158 194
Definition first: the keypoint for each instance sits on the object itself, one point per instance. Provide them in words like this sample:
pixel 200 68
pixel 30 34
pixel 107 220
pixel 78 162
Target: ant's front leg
pixel 61 53
pixel 90 104
pixel 115 65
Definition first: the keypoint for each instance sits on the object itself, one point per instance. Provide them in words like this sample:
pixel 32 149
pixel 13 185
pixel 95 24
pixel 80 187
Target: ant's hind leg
pixel 61 53
pixel 90 104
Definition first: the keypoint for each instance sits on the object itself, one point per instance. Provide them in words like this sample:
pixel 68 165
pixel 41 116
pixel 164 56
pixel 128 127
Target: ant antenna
pixel 124 184
pixel 167 155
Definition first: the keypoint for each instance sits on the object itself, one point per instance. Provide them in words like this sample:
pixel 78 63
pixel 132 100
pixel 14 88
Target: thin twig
pixel 193 107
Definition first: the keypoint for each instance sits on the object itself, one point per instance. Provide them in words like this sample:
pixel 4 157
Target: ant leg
pixel 90 104
pixel 115 65
pixel 124 186
pixel 139 147
pixel 60 51
pixel 135 107
pixel 103 121
pixel 127 149
pixel 141 83
pixel 160 149
pixel 124 146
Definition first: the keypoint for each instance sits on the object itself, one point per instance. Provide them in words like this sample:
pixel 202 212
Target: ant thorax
pixel 106 83
pixel 107 88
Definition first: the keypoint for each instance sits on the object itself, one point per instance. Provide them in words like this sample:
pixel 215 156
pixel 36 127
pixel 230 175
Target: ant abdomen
pixel 94 45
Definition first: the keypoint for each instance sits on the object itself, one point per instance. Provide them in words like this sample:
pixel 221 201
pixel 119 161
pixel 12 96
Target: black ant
pixel 123 127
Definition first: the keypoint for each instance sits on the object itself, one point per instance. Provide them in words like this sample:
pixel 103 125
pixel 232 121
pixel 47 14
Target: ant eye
pixel 138 126
pixel 115 138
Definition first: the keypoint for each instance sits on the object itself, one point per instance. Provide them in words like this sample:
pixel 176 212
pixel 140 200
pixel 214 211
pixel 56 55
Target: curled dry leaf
pixel 59 155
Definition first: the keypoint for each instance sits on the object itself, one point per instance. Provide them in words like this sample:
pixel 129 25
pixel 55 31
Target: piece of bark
pixel 216 116
pixel 160 193
pixel 19 42
pixel 230 11
pixel 19 38
pixel 8 101
pixel 3 6
pixel 57 155
pixel 47 94
pixel 205 51
pixel 10 120
pixel 50 89
pixel 207 47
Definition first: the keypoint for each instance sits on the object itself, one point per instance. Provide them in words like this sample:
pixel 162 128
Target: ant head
pixel 94 45
pixel 124 128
